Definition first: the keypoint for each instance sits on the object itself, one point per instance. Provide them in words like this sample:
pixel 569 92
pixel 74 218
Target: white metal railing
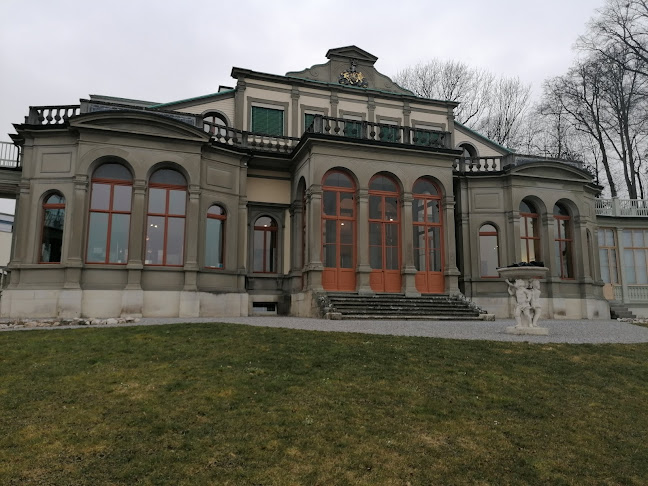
pixel 622 207
pixel 9 155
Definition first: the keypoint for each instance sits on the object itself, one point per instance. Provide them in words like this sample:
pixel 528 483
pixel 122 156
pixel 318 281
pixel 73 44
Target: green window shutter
pixel 267 121
pixel 308 120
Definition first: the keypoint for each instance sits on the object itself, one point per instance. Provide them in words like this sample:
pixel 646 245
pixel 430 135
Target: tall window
pixel 165 223
pixel 563 241
pixel 608 256
pixel 265 245
pixel 267 121
pixel 52 231
pixel 488 251
pixel 529 234
pixel 110 211
pixel 214 237
pixel 635 247
pixel 426 216
pixel 353 126
pixel 389 131
pixel 384 227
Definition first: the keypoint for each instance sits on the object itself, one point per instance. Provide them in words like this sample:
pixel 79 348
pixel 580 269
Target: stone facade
pixel 326 179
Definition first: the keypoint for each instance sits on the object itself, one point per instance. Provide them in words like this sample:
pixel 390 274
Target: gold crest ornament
pixel 352 77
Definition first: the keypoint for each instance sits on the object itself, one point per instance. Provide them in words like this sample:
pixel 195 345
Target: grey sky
pixel 55 52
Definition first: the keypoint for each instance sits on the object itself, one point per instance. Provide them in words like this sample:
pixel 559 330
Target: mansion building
pixel 267 196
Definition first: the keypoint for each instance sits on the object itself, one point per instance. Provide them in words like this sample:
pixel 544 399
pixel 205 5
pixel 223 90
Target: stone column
pixel 451 272
pixel 191 238
pixel 334 104
pixel 371 109
pixel 242 228
pixel 75 233
pixel 513 242
pixel 294 99
pixel 314 265
pixel 133 295
pixel 406 122
pixel 407 248
pixel 239 103
pixel 363 269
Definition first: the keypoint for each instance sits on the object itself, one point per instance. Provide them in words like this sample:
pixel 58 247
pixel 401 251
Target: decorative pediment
pixel 139 123
pixel 351 52
pixel 350 66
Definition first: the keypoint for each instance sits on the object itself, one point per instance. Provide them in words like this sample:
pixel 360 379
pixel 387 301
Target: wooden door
pixel 384 235
pixel 338 232
pixel 427 217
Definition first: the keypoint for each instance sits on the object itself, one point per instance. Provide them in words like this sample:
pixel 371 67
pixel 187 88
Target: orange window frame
pixel 166 215
pixel 110 211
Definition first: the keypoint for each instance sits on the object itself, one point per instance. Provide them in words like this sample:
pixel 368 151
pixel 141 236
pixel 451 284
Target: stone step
pixel 348 305
pixel 411 317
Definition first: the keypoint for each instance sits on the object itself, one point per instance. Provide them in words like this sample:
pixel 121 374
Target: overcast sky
pixel 58 51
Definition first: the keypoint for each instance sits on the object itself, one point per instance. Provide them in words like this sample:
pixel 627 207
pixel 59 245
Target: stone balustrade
pixel 631 208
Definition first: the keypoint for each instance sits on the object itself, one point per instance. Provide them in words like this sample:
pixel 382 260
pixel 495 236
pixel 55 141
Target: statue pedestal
pixel 525 291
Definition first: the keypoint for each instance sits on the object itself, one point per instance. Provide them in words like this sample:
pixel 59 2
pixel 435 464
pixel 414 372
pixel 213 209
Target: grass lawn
pixel 200 404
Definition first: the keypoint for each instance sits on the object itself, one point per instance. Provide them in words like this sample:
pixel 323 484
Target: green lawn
pixel 199 404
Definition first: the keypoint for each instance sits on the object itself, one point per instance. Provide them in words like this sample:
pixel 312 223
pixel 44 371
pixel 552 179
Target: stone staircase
pixel 619 310
pixel 350 305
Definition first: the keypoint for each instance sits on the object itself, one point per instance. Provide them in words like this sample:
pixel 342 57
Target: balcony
pixel 468 165
pixel 379 132
pixel 625 208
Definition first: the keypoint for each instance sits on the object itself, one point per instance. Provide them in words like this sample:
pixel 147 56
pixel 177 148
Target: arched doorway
pixel 338 232
pixel 428 237
pixel 384 235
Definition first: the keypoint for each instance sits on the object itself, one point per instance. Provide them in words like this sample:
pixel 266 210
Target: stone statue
pixel 534 301
pixel 524 286
pixel 523 310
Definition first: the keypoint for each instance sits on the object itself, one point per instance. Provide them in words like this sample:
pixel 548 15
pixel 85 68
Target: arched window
pixel 265 245
pixel 427 236
pixel 110 211
pixel 215 237
pixel 488 251
pixel 563 241
pixel 165 223
pixel 52 231
pixel 338 231
pixel 214 123
pixel 469 151
pixel 384 235
pixel 529 233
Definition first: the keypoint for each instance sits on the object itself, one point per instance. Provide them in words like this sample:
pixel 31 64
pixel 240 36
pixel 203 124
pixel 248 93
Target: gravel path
pixel 578 331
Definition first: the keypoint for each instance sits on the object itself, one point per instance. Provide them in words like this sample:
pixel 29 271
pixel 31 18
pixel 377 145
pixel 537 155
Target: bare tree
pixel 579 94
pixel 620 23
pixel 495 106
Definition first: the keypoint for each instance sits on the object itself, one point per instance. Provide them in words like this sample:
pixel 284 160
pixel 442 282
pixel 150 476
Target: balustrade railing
pixel 633 208
pixel 51 115
pixel 379 132
pixel 10 156
pixel 478 164
pixel 254 141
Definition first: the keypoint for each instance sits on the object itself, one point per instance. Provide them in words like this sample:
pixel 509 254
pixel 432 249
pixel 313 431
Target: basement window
pixel 264 308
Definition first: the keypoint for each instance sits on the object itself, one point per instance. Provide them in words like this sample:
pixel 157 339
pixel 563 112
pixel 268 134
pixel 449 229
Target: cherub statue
pixel 522 296
pixel 534 301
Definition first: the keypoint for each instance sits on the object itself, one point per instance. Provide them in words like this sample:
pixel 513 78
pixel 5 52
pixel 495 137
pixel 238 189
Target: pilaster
pixel 407 248
pixel 363 269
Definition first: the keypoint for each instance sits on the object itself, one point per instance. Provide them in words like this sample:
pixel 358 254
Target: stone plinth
pixel 524 288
